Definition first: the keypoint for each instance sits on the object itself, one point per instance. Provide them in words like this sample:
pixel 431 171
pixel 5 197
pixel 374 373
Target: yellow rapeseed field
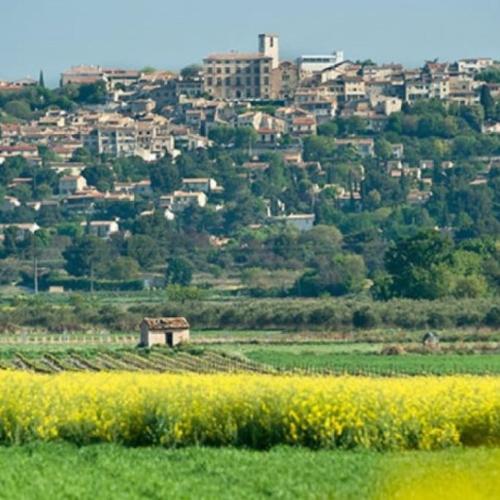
pixel 251 410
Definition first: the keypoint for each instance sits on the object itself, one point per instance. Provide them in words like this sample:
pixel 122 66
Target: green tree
pixel 20 109
pixel 100 176
pixel 340 275
pixel 164 176
pixel 92 93
pixel 179 271
pixel 122 268
pixel 191 71
pixel 145 250
pixel 487 102
pixel 383 149
pixel 86 256
pixel 41 80
pixel 420 267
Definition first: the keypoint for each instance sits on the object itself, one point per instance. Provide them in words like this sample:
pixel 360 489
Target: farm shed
pixel 164 331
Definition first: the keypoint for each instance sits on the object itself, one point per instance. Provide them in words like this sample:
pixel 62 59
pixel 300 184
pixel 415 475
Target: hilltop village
pixel 276 176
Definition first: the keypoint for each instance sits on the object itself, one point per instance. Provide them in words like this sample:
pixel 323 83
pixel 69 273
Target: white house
pixel 303 222
pixel 179 200
pixel 199 184
pixel 102 229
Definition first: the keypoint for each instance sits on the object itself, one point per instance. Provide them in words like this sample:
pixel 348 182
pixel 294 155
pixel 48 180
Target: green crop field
pixel 359 363
pixel 356 359
pixel 51 471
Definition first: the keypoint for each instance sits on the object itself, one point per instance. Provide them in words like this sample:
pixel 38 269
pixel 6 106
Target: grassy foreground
pixel 110 471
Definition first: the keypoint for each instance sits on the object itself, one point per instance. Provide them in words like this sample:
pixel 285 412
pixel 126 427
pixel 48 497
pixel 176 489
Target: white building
pixel 311 64
pixel 102 228
pixel 302 222
pixel 474 65
pixel 179 200
pixel 200 184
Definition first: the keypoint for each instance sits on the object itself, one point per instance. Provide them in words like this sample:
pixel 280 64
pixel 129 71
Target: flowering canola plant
pixel 251 410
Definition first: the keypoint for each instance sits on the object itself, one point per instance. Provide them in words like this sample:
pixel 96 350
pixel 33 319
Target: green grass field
pixel 354 357
pixel 53 471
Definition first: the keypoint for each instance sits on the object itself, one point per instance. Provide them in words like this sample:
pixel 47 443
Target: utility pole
pixel 35 274
pixel 35 266
pixel 91 276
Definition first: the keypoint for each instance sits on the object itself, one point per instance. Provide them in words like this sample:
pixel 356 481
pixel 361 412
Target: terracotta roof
pixel 165 323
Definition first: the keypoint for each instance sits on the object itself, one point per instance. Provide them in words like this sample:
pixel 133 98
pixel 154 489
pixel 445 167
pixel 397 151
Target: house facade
pixel 164 331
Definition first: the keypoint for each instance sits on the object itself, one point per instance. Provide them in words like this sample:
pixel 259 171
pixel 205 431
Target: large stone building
pixel 237 75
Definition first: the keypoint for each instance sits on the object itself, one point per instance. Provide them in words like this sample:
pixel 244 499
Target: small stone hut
pixel 164 331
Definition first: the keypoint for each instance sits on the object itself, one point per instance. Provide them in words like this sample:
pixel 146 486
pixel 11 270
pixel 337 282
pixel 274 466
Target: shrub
pixel 365 318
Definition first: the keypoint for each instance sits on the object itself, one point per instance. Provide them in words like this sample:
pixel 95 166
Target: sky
pixel 168 34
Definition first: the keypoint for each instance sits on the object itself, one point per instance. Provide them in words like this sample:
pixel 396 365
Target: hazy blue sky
pixel 54 34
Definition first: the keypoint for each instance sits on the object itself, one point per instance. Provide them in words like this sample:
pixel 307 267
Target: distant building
pixel 10 203
pixel 365 147
pixel 475 65
pixel 24 228
pixel 70 184
pixel 102 229
pixel 84 74
pixel 164 331
pixel 311 64
pixel 179 200
pixel 237 76
pixel 113 77
pixel 200 184
pixel 302 222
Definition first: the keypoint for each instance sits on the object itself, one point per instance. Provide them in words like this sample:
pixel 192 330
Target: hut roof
pixel 166 323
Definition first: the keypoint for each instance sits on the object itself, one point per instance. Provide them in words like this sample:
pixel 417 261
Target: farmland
pixel 57 470
pixel 329 358
pixel 251 368
pixel 51 360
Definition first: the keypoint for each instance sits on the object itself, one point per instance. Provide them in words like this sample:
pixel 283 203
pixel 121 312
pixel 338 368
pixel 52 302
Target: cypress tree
pixel 41 80
pixel 487 102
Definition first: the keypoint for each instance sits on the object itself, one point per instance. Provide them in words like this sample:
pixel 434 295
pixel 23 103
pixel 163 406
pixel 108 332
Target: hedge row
pixel 331 314
pixel 259 314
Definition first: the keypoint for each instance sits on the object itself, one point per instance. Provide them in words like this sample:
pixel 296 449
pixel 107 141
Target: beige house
pixel 164 331
pixel 70 184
